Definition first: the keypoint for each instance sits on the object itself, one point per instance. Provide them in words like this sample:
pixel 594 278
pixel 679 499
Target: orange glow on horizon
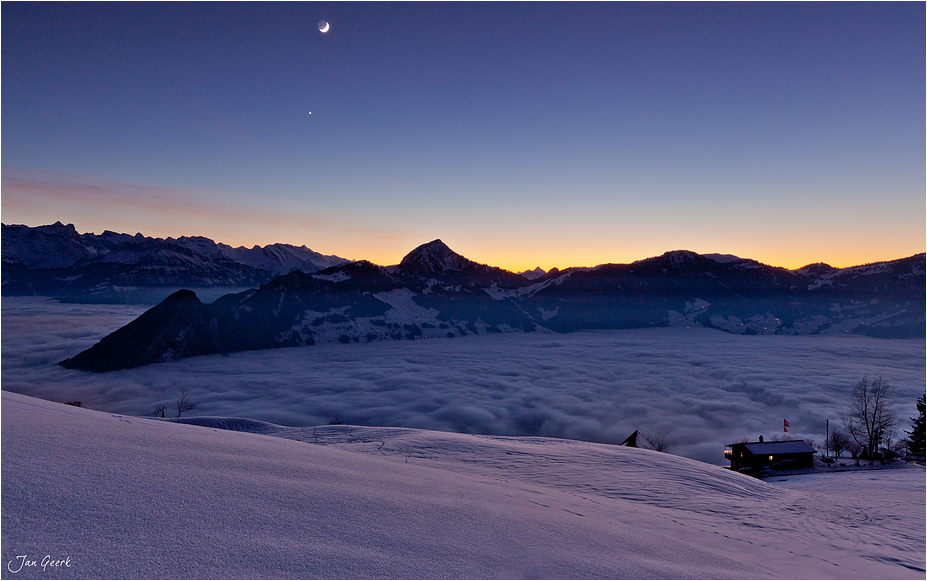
pixel 39 197
pixel 577 258
pixel 522 265
pixel 387 251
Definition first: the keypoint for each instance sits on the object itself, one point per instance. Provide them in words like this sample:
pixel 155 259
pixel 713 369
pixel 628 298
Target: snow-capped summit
pixel 534 274
pixel 56 260
pixel 281 258
pixel 52 246
pixel 433 258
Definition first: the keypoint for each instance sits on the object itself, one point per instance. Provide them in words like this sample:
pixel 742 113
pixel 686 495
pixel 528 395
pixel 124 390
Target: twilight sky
pixel 522 134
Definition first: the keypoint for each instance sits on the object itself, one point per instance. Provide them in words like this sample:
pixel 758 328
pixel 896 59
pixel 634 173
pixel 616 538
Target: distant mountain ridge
pixel 56 260
pixel 436 293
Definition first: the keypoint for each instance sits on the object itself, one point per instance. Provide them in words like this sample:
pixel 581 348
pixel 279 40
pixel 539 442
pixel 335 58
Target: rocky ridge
pixel 58 261
pixel 437 293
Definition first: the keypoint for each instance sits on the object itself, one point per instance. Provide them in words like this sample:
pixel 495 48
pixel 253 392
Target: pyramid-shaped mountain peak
pixel 436 244
pixel 434 257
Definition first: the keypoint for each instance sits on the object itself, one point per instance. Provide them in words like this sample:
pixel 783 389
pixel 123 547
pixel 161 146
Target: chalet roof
pixel 790 447
pixel 636 440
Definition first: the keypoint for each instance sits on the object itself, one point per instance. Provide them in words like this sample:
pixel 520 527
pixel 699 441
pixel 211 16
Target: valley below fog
pixel 696 388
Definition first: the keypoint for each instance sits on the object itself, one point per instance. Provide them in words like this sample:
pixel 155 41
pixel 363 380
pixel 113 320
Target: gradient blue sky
pixel 522 134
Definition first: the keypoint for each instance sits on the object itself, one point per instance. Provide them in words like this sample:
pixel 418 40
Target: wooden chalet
pixel 777 455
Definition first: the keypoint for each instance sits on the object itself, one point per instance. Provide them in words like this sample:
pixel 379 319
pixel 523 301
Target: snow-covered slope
pixel 52 246
pixel 115 496
pixel 276 259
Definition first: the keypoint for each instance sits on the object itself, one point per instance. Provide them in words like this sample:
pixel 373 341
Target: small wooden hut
pixel 782 455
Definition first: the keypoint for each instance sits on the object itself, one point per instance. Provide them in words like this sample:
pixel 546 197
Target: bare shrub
pixel 659 444
pixel 184 404
pixel 839 442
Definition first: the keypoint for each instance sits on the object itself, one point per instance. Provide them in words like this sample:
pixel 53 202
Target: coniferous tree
pixel 916 435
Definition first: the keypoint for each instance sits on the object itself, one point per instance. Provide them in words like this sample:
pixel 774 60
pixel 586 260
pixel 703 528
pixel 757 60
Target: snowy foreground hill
pixel 106 495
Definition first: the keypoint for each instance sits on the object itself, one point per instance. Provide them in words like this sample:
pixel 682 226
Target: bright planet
pixel 323 26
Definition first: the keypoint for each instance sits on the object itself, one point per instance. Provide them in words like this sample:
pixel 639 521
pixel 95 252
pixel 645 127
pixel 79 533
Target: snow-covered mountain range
pixel 436 293
pixel 58 261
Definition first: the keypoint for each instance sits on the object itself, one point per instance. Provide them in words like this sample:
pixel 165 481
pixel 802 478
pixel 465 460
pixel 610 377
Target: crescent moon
pixel 323 26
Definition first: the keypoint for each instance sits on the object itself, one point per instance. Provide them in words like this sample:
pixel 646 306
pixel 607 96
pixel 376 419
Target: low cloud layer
pixel 699 389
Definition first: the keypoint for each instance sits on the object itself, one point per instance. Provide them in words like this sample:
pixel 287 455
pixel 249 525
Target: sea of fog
pixel 697 388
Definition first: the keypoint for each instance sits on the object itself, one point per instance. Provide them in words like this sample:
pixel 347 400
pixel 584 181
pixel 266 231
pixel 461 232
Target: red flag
pixel 785 425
